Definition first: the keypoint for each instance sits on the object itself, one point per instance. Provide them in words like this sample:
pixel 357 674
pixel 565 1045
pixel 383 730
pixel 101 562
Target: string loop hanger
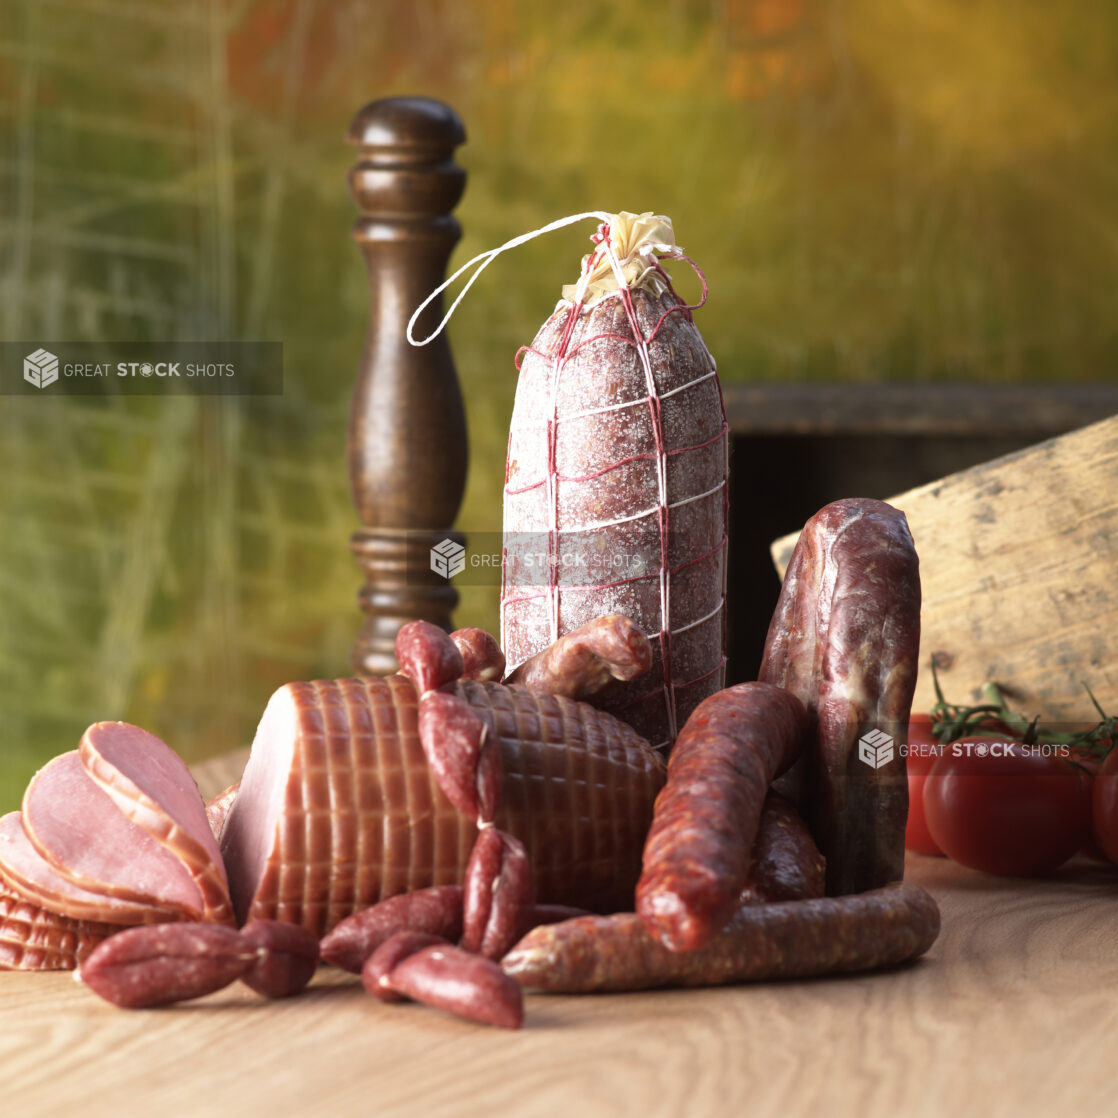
pixel 627 256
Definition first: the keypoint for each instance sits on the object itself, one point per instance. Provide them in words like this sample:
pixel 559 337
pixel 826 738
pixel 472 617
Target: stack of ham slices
pixel 112 833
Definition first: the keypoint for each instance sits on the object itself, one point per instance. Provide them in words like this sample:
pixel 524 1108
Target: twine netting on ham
pixel 616 481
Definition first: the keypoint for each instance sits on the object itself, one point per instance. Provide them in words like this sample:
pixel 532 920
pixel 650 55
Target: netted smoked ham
pixel 34 938
pixel 338 808
pixel 79 830
pixel 615 487
pixel 152 786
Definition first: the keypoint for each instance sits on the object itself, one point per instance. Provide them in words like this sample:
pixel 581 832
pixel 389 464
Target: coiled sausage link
pixel 696 856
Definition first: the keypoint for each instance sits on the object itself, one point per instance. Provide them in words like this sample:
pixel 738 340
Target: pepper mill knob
pixel 407 444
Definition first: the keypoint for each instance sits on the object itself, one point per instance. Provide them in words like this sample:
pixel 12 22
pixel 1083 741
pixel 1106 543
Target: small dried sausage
pixel 498 893
pixel 286 958
pixel 482 658
pixel 464 984
pixel 159 964
pixel 589 658
pixel 395 949
pixel 428 656
pixel 460 743
pixel 436 910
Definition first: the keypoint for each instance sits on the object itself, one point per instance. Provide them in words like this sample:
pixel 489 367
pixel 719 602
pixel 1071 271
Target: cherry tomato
pixel 1104 807
pixel 1006 808
pixel 1089 764
pixel 922 744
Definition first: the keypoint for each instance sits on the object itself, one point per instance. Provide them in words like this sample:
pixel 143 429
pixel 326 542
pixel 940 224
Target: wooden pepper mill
pixel 407 425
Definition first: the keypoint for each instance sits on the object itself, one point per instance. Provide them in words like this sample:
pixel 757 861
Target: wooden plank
pixel 1001 1017
pixel 1031 411
pixel 1019 565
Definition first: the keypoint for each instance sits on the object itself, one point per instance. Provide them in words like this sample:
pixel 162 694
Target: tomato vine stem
pixel 952 721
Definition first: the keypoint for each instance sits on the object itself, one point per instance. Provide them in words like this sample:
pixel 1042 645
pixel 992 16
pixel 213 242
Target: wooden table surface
pixel 1013 1012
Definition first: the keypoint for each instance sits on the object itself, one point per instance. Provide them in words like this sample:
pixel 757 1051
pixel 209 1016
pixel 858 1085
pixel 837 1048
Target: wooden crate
pixel 1019 566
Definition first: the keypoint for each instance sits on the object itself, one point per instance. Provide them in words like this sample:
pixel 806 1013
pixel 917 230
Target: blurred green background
pixel 876 191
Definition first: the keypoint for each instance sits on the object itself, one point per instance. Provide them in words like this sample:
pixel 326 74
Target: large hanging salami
pixel 615 487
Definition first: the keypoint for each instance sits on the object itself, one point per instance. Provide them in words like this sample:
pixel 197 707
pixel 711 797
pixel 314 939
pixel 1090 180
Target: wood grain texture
pixel 1019 566
pixel 1011 1013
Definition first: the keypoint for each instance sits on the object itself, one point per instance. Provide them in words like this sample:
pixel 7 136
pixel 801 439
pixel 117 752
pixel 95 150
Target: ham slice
pixel 217 808
pixel 151 785
pixel 84 835
pixel 34 938
pixel 24 872
pixel 338 809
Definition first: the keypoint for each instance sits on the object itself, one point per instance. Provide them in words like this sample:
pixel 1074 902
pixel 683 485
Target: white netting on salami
pixel 615 487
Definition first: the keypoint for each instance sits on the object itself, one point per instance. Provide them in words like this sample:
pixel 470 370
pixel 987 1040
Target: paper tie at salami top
pixel 635 242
